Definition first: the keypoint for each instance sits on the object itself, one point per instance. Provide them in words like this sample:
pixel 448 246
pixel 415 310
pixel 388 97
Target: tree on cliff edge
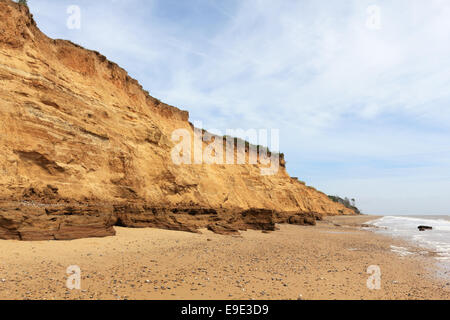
pixel 24 2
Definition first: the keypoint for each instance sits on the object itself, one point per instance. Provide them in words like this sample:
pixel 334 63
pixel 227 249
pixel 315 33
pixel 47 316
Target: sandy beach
pixel 328 261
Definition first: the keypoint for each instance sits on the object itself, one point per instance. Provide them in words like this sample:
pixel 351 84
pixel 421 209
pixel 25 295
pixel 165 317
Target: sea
pixel 406 228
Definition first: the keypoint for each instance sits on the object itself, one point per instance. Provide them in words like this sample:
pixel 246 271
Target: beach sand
pixel 328 261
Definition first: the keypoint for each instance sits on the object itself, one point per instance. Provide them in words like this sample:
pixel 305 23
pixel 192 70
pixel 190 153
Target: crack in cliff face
pixel 50 103
pixel 40 160
pixel 95 135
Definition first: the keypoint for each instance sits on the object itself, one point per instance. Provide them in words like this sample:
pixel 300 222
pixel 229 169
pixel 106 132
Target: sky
pixel 360 90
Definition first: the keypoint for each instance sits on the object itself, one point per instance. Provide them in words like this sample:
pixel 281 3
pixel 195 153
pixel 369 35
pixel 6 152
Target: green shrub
pixel 350 204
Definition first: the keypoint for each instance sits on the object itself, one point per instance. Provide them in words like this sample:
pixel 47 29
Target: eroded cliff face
pixel 84 148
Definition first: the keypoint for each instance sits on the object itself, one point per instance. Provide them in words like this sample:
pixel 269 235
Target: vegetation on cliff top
pixel 348 203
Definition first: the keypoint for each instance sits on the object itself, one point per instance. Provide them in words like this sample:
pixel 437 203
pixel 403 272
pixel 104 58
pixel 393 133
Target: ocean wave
pixel 436 240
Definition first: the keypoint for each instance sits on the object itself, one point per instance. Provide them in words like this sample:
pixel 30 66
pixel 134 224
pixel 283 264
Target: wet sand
pixel 328 261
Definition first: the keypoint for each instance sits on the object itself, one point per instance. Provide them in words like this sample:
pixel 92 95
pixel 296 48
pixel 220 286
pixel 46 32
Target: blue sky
pixel 363 112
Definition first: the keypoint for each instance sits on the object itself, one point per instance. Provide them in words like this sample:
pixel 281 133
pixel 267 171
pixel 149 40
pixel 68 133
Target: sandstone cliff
pixel 84 148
